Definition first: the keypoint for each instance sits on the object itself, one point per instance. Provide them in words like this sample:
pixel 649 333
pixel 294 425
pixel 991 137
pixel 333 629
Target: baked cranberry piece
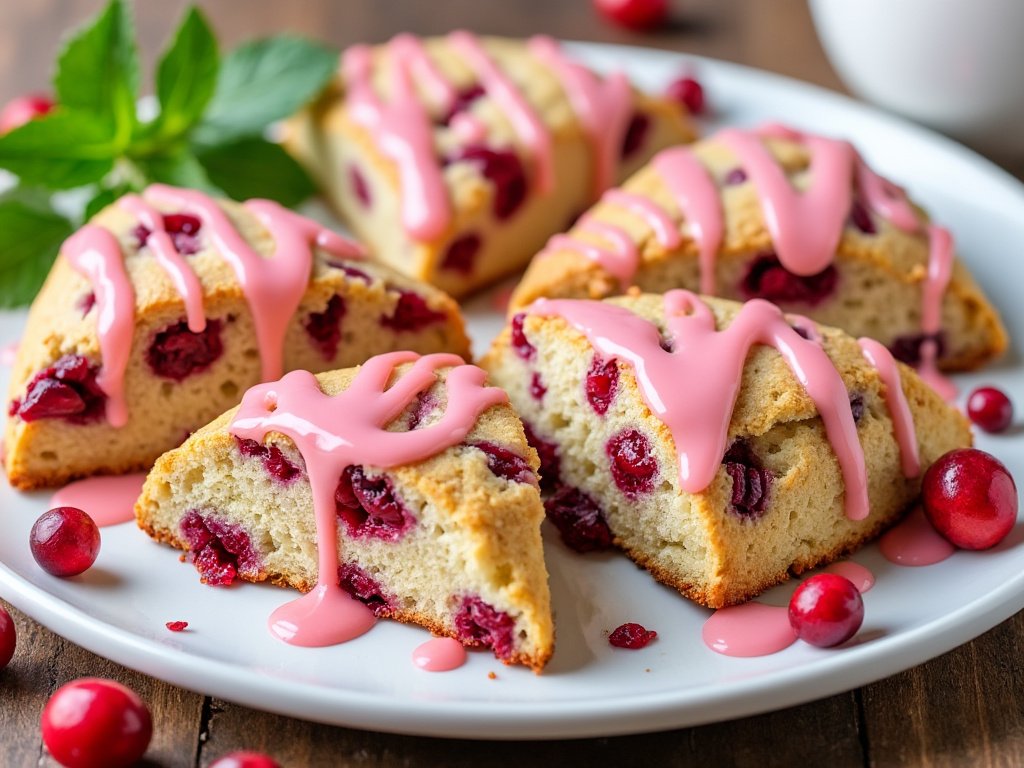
pixel 219 550
pixel 423 407
pixel 860 217
pixel 64 541
pixel 537 388
pixel 274 461
pixel 734 177
pixel 688 92
pixel 8 637
pixel 411 314
pixel 176 626
pixel 183 229
pixel 768 279
pixel 631 636
pixel 369 506
pixel 907 349
pixel 479 624
pixel 503 169
pixel 324 328
pixel 520 343
pixel 633 465
pixel 463 100
pixel 601 384
pixel 86 303
pixel 990 409
pixel 351 271
pixel 177 353
pixel 637 15
pixel 505 463
pixel 579 520
pixel 359 186
pixel 751 483
pixel 636 134
pixel 826 610
pixel 364 588
pixel 461 254
pixel 550 466
pixel 67 390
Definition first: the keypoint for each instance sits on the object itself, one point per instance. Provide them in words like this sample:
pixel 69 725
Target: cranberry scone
pixel 456 157
pixel 406 481
pixel 677 427
pixel 168 305
pixel 797 219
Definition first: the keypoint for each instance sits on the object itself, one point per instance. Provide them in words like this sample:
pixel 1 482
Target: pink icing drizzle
pixel 95 253
pixel 469 128
pixel 409 51
pixel 940 268
pixel 750 629
pixel 693 388
pixel 107 500
pixel 862 578
pixel 441 654
pixel 914 542
pixel 333 433
pixel 665 230
pixel 886 199
pixel 896 401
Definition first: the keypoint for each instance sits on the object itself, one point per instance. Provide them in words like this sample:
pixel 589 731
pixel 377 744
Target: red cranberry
pixel 990 409
pixel 768 279
pixel 324 328
pixel 245 760
pixel 480 624
pixel 861 218
pixel 463 100
pixel 826 610
pixel 970 498
pixel 65 541
pixel 370 507
pixel 183 229
pixel 601 384
pixel 219 550
pixel 177 353
pixel 537 388
pixel 359 186
pixel 633 466
pixel 461 254
pixel 687 92
pixel 86 303
pixel 23 109
pixel 351 271
pixel 177 626
pixel 412 314
pixel 364 588
pixel 550 466
pixel 503 169
pixel 637 15
pixel 579 520
pixel 274 461
pixel 67 390
pixel 520 343
pixel 735 176
pixel 751 483
pixel 631 636
pixel 8 638
pixel 425 404
pixel 506 464
pixel 907 349
pixel 95 723
pixel 636 133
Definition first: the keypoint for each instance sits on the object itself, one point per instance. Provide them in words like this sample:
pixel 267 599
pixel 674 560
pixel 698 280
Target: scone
pixel 421 499
pixel 455 158
pixel 677 427
pixel 166 307
pixel 797 219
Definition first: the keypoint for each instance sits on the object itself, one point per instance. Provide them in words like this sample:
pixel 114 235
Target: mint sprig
pixel 208 132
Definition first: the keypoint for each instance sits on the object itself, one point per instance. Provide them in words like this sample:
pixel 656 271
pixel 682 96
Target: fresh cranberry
pixel 550 465
pixel 359 186
pixel 907 349
pixel 86 303
pixel 67 390
pixel 8 637
pixel 636 134
pixel 735 176
pixel 219 550
pixel 274 461
pixel 768 279
pixel 520 343
pixel 65 541
pixel 463 100
pixel 411 314
pixel 751 483
pixel 480 624
pixel 183 229
pixel 537 388
pixel 324 328
pixel 826 610
pixel 505 463
pixel 177 353
pixel 687 92
pixel 631 636
pixel 96 723
pixel 503 169
pixel 990 409
pixel 861 218
pixel 369 506
pixel 637 15
pixel 364 588
pixel 461 254
pixel 579 520
pixel 633 465
pixel 23 109
pixel 245 760
pixel 970 498
pixel 177 626
pixel 601 384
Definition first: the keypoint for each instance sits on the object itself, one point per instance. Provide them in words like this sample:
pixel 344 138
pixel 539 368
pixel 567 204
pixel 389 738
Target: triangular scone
pixel 319 305
pixel 455 157
pixel 768 494
pixel 451 542
pixel 695 218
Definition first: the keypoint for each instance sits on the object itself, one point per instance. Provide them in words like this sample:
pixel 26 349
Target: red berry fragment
pixel 177 626
pixel 506 464
pixel 639 15
pixel 66 390
pixel 631 636
pixel 95 723
pixel 369 506
pixel 65 541
pixel 636 134
pixel 768 279
pixel 480 624
pixel 364 588
pixel 632 463
pixel 412 313
pixel 990 409
pixel 177 353
pixel 22 109
pixel 601 384
pixel 970 497
pixel 522 346
pixel 219 550
pixel 324 328
pixel 826 610
pixel 578 519
pixel 359 186
pixel 8 638
pixel 461 254
pixel 245 760
pixel 688 92
pixel 503 169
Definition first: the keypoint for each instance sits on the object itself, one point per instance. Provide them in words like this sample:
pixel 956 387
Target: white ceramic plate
pixel 118 609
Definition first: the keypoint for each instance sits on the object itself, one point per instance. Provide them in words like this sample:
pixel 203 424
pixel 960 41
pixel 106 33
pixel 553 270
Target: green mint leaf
pixel 254 167
pixel 180 169
pixel 59 151
pixel 264 81
pixel 29 242
pixel 98 71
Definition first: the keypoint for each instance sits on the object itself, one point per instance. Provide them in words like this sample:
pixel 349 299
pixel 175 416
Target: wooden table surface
pixel 964 708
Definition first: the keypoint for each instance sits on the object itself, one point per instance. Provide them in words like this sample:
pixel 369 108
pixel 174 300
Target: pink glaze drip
pixel 665 230
pixel 940 268
pixel 693 388
pixel 862 578
pixel 896 401
pixel 107 500
pixel 95 253
pixel 620 261
pixel 525 121
pixel 469 128
pixel 9 353
pixel 886 199
pixel 174 264
pixel 441 654
pixel 603 105
pixel 750 629
pixel 404 133
pixel 914 542
pixel 697 197
pixel 409 51
pixel 333 433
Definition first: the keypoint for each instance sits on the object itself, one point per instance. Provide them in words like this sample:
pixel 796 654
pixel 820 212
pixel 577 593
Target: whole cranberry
pixel 990 409
pixel 688 92
pixel 96 723
pixel 970 498
pixel 245 760
pixel 8 638
pixel 65 541
pixel 22 109
pixel 826 610
pixel 634 14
